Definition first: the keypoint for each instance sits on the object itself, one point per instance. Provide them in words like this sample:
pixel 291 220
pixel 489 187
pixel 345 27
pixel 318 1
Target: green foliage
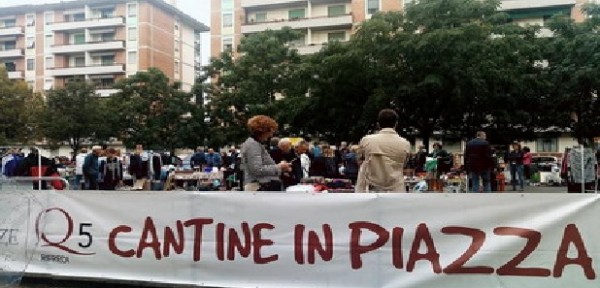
pixel 574 69
pixel 250 84
pixel 150 111
pixel 19 110
pixel 74 115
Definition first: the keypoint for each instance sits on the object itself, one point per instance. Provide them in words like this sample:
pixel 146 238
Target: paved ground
pixel 540 189
pixel 543 189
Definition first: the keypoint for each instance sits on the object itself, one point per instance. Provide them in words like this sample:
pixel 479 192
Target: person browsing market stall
pixel 383 155
pixel 261 173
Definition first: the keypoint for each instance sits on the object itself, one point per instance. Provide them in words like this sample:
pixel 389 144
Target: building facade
pixel 321 21
pixel 101 41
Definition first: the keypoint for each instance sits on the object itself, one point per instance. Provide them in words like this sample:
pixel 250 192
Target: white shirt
pixel 79 159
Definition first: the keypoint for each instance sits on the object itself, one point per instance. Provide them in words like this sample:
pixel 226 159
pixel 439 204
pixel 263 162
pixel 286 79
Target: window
pixel 336 10
pixel 48 41
pixel 79 38
pixel 48 18
pixel 176 46
pixel 10 66
pixel 106 12
pixel 49 62
pixel 79 61
pixel 10 23
pixel 227 44
pixel 372 6
pixel 78 17
pixel 10 45
pixel 132 33
pixel 105 37
pixel 132 10
pixel 30 42
pixel 30 64
pixel 107 60
pixel 48 83
pixel 300 41
pixel 30 19
pixel 176 27
pixel 227 5
pixel 336 36
pixel 261 17
pixel 132 57
pixel 547 145
pixel 296 13
pixel 227 20
pixel 104 82
pixel 177 67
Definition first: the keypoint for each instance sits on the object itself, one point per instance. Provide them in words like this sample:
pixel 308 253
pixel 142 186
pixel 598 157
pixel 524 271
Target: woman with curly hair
pixel 261 173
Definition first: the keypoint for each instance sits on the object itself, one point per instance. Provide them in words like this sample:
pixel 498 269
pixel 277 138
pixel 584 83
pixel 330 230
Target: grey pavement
pixel 538 189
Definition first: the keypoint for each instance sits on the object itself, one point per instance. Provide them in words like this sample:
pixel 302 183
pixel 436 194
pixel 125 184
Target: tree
pixel 250 82
pixel 75 114
pixel 450 66
pixel 332 102
pixel 152 111
pixel 574 69
pixel 19 111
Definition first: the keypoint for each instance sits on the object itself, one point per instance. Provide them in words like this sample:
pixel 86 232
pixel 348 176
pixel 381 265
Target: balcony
pixel 11 53
pixel 256 3
pixel 88 23
pixel 15 75
pixel 308 49
pixel 11 31
pixel 88 70
pixel 321 22
pixel 106 92
pixel 533 4
pixel 87 47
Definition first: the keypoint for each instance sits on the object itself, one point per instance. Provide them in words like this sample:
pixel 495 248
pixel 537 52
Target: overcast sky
pixel 199 9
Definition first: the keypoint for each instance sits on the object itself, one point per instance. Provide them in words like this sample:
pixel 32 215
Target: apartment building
pixel 321 21
pixel 101 41
pixel 538 12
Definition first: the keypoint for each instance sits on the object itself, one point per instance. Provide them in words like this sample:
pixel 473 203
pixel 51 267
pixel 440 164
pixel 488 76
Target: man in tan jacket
pixel 383 155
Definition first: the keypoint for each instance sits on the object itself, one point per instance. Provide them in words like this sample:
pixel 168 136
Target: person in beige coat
pixel 383 156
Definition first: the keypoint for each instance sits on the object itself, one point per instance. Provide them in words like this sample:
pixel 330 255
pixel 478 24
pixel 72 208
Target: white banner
pixel 322 240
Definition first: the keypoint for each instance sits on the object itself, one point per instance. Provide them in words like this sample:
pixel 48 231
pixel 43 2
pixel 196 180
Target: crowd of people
pixel 376 164
pixel 267 163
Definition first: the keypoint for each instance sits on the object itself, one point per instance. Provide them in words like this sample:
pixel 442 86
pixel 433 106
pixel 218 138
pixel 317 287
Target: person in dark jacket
pixel 420 159
pixel 198 160
pixel 478 161
pixel 91 168
pixel 32 167
pixel 285 152
pixel 111 171
pixel 444 159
